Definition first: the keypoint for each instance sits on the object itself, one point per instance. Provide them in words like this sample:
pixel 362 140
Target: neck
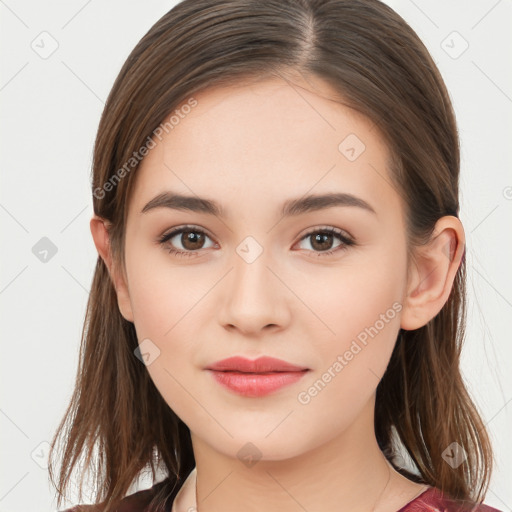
pixel 347 473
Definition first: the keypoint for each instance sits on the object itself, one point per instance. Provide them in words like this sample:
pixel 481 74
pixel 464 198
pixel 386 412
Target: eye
pixel 191 239
pixel 322 239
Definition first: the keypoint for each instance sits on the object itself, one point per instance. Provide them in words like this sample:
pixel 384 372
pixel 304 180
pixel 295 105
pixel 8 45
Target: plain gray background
pixel 59 61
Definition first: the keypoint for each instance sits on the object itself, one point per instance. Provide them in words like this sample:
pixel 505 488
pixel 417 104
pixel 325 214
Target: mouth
pixel 263 364
pixel 255 378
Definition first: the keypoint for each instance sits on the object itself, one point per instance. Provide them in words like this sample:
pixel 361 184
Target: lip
pixel 255 378
pixel 263 364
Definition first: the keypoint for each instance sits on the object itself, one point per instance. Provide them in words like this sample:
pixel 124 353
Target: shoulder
pixel 136 502
pixel 433 500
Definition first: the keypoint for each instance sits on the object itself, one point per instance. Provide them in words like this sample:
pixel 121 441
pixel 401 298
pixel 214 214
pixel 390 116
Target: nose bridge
pixel 253 299
pixel 250 279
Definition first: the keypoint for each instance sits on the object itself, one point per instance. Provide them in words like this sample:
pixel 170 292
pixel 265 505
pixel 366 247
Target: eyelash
pixel 346 241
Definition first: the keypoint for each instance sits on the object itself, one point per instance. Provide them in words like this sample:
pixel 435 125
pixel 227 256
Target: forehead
pixel 266 141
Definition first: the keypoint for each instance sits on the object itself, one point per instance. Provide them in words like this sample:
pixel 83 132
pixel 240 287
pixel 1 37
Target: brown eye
pixel 322 240
pixel 190 238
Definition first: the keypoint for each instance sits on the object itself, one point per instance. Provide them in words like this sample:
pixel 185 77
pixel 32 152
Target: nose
pixel 253 298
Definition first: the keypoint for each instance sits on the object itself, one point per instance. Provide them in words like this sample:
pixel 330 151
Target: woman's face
pixel 304 260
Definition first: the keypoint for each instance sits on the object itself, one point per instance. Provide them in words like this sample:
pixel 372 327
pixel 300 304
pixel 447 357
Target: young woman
pixel 278 306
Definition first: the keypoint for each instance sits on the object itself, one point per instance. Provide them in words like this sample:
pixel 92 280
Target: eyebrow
pixel 291 207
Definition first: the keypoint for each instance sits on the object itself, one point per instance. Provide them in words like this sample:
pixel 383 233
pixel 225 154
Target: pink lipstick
pixel 255 378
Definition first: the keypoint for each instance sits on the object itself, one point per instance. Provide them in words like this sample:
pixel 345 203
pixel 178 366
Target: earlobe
pixel 432 273
pixel 101 239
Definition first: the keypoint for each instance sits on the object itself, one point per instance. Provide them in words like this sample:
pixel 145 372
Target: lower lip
pixel 256 384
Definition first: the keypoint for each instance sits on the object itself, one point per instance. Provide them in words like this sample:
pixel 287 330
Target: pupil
pixel 322 238
pixel 193 238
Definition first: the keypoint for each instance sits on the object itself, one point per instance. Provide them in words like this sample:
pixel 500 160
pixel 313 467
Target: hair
pixel 375 61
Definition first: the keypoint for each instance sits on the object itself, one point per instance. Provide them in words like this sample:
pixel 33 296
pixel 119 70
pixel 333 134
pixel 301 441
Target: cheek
pixel 164 318
pixel 163 295
pixel 361 306
pixel 166 302
pixel 360 292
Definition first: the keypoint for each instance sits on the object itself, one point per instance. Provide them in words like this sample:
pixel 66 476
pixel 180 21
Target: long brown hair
pixel 379 66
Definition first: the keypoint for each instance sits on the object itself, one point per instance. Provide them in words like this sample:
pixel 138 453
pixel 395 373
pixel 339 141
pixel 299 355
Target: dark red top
pixel 431 500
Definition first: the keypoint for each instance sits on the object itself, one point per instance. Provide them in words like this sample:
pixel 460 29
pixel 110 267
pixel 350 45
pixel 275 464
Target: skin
pixel 250 148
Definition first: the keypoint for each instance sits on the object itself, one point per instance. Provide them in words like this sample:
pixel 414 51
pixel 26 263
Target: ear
pixel 432 271
pixel 101 239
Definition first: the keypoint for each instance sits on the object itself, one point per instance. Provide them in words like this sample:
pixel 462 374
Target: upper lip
pixel 263 364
